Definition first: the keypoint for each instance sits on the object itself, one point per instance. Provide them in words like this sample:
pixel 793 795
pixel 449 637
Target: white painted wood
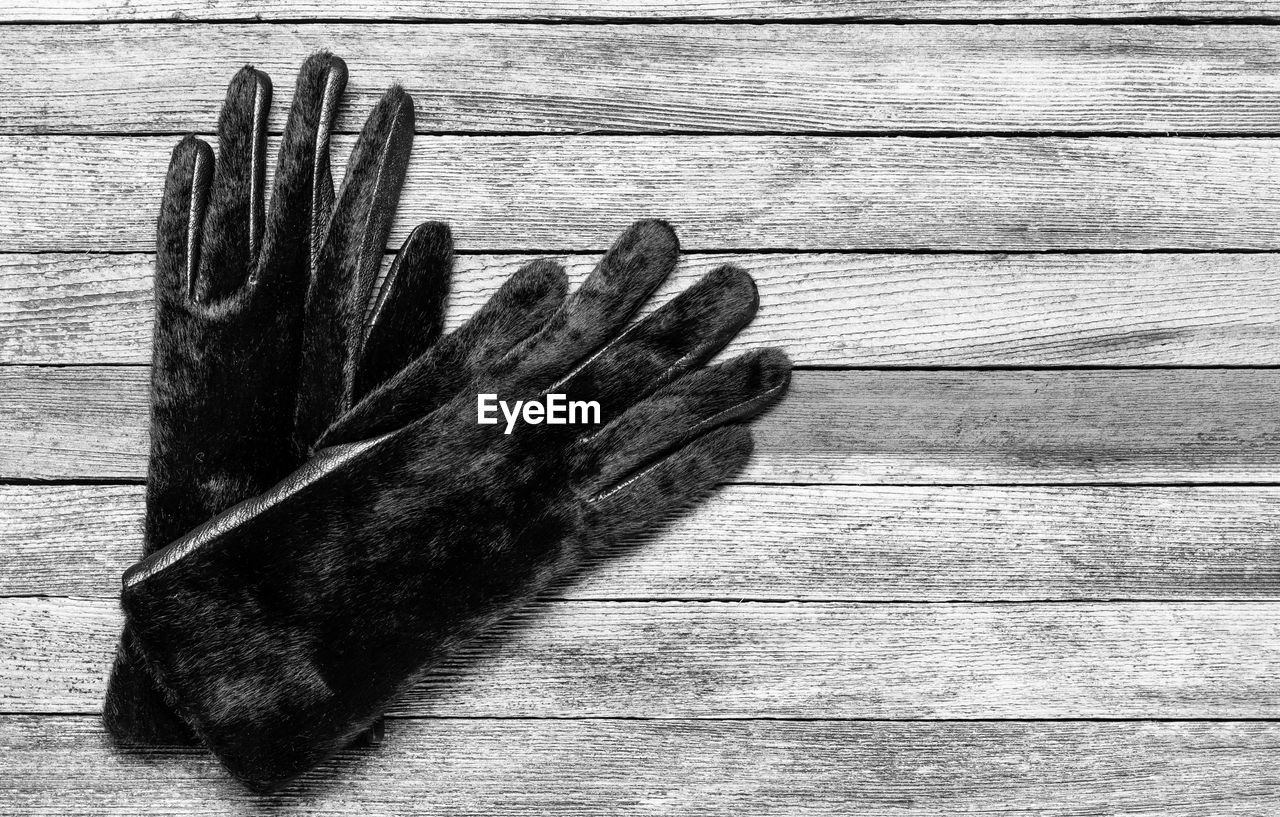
pixel 751 660
pixel 991 620
pixel 519 10
pixel 58 416
pixel 825 309
pixel 638 78
pixel 62 766
pixel 813 543
pixel 723 192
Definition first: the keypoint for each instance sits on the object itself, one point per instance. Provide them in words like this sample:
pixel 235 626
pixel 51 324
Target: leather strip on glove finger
pixel 288 623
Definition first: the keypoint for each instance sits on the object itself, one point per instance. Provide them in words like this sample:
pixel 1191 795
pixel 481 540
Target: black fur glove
pixel 260 333
pixel 284 627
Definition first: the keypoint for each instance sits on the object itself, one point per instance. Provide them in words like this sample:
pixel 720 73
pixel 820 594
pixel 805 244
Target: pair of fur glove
pixel 326 517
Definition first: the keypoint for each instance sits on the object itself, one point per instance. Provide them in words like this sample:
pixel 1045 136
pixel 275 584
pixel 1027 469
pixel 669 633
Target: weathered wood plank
pixel 724 192
pixel 150 10
pixel 75 308
pixel 63 766
pixel 819 660
pixel 48 534
pixel 826 309
pixel 811 543
pixel 55 418
pixel 977 427
pixel 697 78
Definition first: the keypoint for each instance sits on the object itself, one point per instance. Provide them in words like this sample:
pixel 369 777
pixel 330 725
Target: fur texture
pixel 259 335
pixel 282 633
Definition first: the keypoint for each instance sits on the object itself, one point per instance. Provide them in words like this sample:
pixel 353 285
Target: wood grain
pixel 825 309
pixel 724 192
pixel 54 533
pixel 693 78
pixel 54 418
pixel 62 766
pixel 753 660
pixel 812 543
pixel 979 427
pixel 519 10
pixel 840 645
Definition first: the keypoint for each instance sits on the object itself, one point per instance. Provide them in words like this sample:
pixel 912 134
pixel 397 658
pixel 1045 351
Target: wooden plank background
pixel 1009 546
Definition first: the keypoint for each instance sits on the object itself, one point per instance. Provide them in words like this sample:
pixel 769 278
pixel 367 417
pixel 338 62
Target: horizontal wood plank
pixel 63 766
pixel 54 418
pixel 811 543
pixel 694 78
pixel 1150 426
pixel 518 10
pixel 825 309
pixel 820 660
pixel 723 192
pixel 555 712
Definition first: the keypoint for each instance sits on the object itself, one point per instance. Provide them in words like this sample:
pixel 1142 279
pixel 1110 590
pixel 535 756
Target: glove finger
pixel 356 234
pixel 641 259
pixel 731 392
pixel 663 488
pixel 349 261
pixel 303 194
pixel 408 311
pixel 233 224
pixel 685 333
pixel 520 307
pixel 182 211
